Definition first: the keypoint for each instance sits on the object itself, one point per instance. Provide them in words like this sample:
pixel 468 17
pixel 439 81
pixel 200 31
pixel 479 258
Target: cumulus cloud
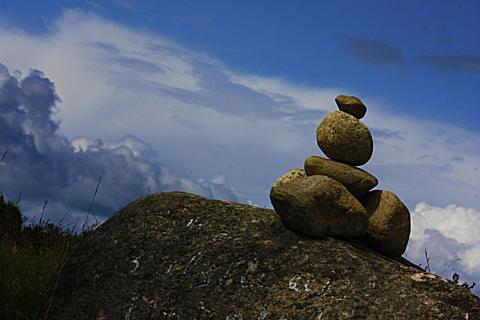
pixel 116 80
pixel 189 123
pixel 43 164
pixel 204 120
pixel 450 236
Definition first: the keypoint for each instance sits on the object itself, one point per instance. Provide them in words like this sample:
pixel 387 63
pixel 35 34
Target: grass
pixel 26 272
pixel 30 259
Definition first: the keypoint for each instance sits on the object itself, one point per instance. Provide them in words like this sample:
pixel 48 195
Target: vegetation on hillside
pixel 31 257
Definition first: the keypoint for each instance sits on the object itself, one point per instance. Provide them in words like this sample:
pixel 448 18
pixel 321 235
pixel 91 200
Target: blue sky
pixel 425 55
pixel 220 99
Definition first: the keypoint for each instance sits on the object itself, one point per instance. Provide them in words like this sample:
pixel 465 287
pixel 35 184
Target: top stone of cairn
pixel 351 105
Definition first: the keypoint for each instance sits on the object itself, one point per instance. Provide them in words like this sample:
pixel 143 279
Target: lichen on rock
pixel 210 259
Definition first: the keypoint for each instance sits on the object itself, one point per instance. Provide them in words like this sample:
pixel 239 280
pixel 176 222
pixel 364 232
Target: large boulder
pixel 319 206
pixel 356 180
pixel 180 256
pixel 344 138
pixel 388 224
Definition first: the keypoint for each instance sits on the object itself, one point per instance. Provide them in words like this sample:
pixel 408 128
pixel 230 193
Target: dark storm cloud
pixel 374 52
pixel 465 63
pixel 44 165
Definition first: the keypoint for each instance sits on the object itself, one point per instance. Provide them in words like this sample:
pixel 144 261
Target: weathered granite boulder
pixel 181 256
pixel 388 224
pixel 319 206
pixel 344 138
pixel 356 180
pixel 294 174
pixel 351 105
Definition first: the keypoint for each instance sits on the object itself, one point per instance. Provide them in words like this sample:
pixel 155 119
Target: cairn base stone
pixel 388 224
pixel 357 181
pixel 319 206
pixel 342 137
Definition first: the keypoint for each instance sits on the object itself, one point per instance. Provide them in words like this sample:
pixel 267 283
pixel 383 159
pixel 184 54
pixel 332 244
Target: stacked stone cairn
pixel 332 197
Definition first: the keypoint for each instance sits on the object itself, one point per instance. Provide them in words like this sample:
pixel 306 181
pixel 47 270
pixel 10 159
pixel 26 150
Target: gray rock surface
pixel 319 206
pixel 388 224
pixel 293 174
pixel 356 180
pixel 344 138
pixel 180 256
pixel 351 105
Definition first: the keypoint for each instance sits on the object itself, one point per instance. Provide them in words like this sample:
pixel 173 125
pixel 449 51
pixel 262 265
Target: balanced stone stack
pixel 332 197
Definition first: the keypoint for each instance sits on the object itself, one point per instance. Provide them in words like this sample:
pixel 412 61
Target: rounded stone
pixel 342 137
pixel 351 105
pixel 295 173
pixel 356 180
pixel 388 224
pixel 319 206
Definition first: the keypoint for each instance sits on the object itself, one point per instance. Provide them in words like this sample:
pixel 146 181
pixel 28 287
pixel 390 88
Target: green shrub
pixel 11 221
pixel 26 272
pixel 30 259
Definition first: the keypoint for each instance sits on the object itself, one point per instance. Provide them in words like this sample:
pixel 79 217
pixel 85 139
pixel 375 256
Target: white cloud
pixel 43 164
pixel 280 91
pixel 115 81
pixel 204 120
pixel 450 236
pixel 215 128
pixel 413 157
